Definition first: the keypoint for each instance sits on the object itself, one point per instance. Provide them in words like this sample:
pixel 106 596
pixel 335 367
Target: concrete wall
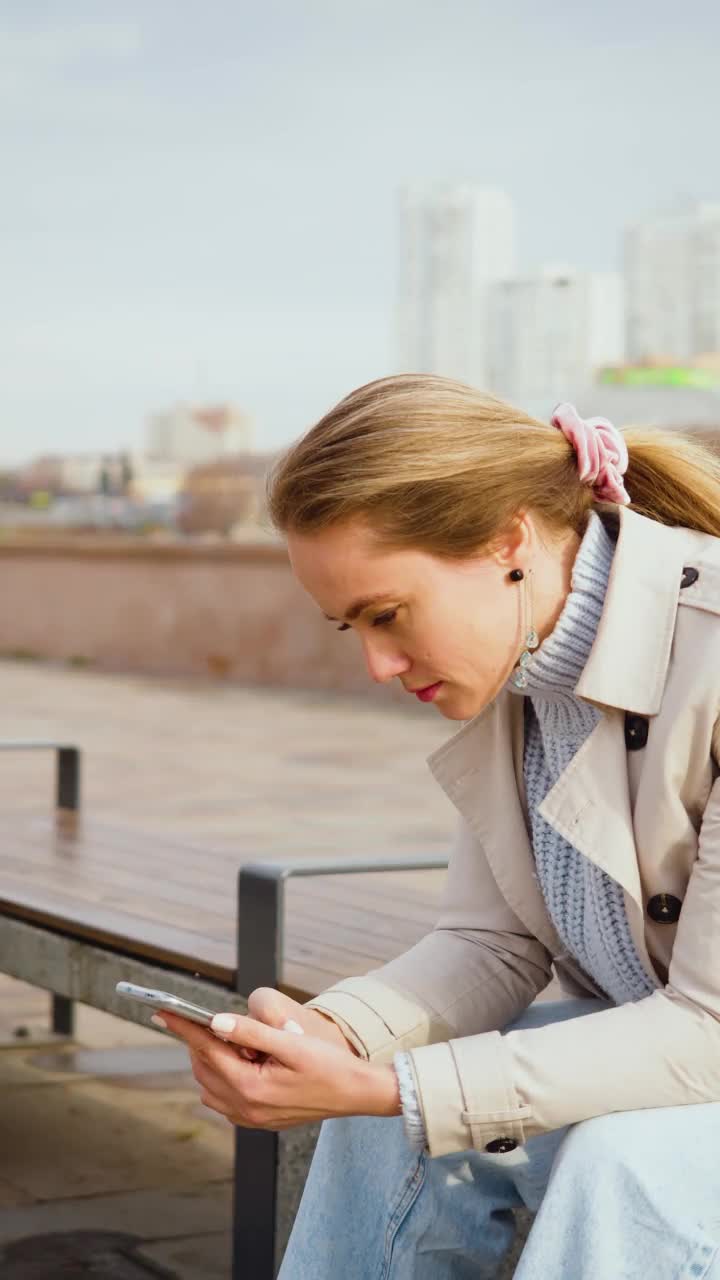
pixel 225 610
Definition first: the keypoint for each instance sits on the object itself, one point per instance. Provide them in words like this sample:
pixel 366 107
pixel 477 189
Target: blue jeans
pixel 627 1195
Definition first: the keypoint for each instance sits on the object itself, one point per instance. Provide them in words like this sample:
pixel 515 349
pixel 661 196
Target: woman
pixel 557 585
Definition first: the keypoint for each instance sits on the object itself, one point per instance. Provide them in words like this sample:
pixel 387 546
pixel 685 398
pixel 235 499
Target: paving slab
pixel 155 1215
pixel 69 1140
pixel 252 770
pixel 198 1258
pixel 11 1195
pixel 75 1254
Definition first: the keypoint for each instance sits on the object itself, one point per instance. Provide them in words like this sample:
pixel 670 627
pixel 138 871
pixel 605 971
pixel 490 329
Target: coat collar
pixel 627 665
pixel 628 662
pixel 481 767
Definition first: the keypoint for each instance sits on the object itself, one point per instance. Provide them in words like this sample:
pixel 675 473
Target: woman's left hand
pixel 299 1078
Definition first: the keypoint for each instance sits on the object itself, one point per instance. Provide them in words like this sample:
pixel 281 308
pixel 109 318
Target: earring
pixel 532 640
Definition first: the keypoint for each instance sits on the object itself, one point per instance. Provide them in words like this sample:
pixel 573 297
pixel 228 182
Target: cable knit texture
pixel 586 906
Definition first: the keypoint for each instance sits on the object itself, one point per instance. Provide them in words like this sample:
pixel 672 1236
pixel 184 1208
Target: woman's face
pixel 452 629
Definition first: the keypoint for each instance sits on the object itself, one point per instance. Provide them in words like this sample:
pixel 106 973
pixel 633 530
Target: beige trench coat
pixel 648 815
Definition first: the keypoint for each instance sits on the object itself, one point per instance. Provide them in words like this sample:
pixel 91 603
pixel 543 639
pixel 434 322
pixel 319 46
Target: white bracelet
pixel 412 1115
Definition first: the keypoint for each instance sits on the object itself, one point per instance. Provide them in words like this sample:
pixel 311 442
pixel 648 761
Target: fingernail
pixel 223 1022
pixel 290 1025
pixel 159 1022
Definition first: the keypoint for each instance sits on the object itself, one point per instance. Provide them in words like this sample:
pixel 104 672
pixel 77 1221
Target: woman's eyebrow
pixel 359 606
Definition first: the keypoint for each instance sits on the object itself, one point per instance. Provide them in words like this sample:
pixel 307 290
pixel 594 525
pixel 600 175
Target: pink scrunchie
pixel 602 454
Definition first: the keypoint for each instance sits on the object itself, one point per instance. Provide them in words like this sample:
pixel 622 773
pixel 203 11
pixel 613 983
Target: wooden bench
pixel 85 904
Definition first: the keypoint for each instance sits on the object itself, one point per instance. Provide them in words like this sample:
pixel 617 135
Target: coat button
pixel 500 1145
pixel 664 908
pixel 636 731
pixel 689 576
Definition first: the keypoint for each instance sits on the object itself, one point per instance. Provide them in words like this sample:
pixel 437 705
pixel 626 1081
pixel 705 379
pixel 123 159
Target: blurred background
pixel 217 219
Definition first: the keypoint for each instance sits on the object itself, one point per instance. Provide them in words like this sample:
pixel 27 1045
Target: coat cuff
pixel 377 1019
pixel 336 1006
pixel 466 1094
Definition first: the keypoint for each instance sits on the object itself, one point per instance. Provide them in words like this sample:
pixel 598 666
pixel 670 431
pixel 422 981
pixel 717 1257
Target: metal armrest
pixel 261 908
pixel 67 785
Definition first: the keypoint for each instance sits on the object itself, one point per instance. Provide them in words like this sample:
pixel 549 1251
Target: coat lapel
pixel 590 805
pixel 480 769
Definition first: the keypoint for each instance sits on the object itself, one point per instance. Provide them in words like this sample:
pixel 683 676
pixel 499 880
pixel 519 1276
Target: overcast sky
pixel 199 198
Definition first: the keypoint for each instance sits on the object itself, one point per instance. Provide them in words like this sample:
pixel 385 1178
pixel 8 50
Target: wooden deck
pixel 183 783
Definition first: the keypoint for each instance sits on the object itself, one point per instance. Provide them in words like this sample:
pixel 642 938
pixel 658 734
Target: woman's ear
pixel 510 548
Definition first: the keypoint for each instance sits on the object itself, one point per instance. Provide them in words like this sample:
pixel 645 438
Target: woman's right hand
pixel 267 1005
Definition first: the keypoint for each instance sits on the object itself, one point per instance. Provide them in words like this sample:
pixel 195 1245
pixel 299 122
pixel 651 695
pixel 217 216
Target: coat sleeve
pixel 477 970
pixel 662 1051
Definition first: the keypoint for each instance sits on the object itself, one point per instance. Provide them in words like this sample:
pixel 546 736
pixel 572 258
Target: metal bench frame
pixel 73 969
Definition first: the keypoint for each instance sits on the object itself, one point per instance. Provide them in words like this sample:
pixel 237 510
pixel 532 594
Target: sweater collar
pixel 555 668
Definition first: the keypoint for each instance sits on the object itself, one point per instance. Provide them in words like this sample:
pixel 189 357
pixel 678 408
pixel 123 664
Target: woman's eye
pixel 382 620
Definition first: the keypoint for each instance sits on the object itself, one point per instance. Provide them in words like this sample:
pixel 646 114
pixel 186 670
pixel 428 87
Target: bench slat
pixel 174 903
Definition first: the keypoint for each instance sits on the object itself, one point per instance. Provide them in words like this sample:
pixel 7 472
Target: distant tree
pixel 127 475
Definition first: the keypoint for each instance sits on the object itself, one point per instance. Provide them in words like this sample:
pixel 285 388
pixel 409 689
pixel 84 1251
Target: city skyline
pixel 199 210
pixel 455 242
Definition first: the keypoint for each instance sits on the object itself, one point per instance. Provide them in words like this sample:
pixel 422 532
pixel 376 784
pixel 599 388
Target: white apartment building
pixel 81 472
pixel 155 479
pixel 550 331
pixel 193 434
pixel 672 278
pixel 455 241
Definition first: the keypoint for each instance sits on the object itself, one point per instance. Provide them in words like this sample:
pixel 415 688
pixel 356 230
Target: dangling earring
pixel 532 640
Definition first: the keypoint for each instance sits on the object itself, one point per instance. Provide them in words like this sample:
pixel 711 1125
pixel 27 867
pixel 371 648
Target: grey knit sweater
pixel 584 903
pixel 586 906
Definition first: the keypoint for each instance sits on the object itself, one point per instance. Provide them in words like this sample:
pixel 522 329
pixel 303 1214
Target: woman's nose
pixel 383 663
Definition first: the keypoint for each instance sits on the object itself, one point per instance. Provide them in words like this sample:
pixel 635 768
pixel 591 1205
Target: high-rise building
pixel 195 434
pixel 550 332
pixel 672 279
pixel 455 241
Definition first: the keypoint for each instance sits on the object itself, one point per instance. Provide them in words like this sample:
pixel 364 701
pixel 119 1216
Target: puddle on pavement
pixel 74 1254
pixel 128 1067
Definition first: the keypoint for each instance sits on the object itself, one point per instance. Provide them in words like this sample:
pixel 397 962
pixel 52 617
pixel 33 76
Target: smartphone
pixel 164 1000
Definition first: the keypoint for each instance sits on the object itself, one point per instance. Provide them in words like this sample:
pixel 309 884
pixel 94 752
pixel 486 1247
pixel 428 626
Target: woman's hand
pixel 299 1078
pixel 275 1009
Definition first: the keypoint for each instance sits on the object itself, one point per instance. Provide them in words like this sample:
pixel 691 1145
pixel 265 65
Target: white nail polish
pixel 159 1022
pixel 290 1025
pixel 224 1022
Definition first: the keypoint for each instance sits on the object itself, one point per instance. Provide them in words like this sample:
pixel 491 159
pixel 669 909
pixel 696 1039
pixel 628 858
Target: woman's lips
pixel 428 693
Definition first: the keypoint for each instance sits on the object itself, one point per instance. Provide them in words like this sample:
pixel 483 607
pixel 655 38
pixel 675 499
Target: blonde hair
pixel 437 465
